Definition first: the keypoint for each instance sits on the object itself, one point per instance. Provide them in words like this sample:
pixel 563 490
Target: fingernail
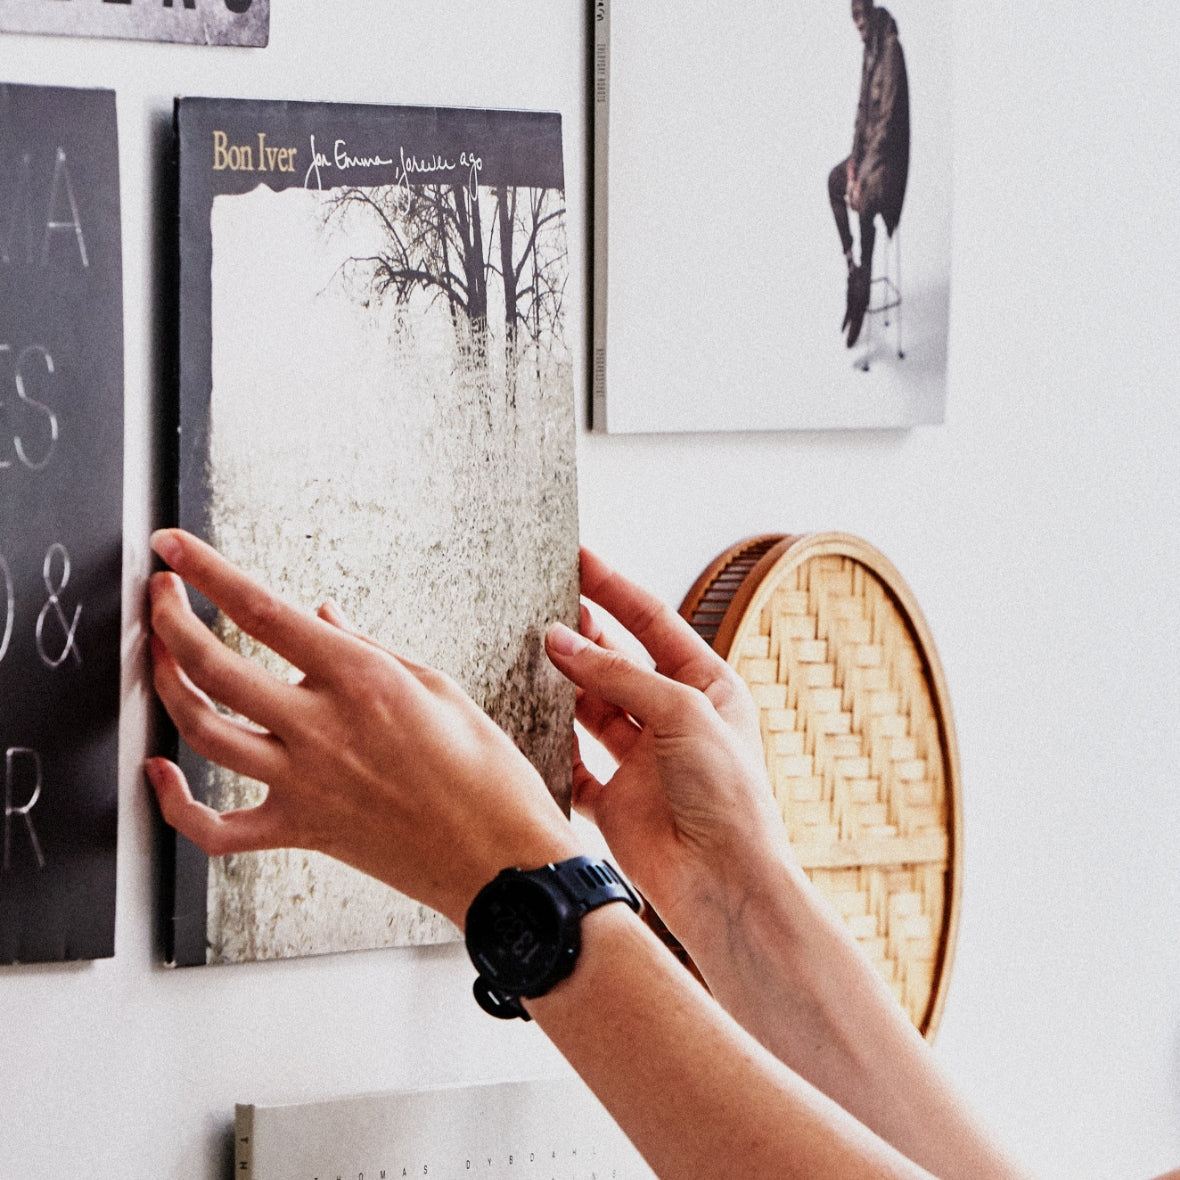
pixel 152 768
pixel 333 614
pixel 564 641
pixel 162 583
pixel 166 545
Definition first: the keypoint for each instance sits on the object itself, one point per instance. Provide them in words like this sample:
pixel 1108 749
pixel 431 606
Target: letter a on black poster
pixel 61 510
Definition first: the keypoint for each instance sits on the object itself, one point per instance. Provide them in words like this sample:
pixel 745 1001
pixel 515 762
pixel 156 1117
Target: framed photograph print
pixel 743 161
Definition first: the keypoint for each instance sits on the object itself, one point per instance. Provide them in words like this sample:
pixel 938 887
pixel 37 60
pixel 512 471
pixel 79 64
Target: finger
pixel 586 788
pixel 679 652
pixel 607 724
pixel 211 734
pixel 224 675
pixel 299 638
pixel 591 628
pixel 331 613
pixel 215 833
pixel 649 697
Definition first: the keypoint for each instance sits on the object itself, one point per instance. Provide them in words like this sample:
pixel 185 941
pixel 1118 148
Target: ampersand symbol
pixel 53 603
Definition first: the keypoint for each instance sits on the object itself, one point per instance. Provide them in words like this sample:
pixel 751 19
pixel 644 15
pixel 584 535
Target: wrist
pixel 719 899
pixel 782 962
pixel 524 928
pixel 605 931
pixel 765 931
pixel 526 855
pixel 528 831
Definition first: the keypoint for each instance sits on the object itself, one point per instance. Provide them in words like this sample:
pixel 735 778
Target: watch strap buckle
pixel 495 1003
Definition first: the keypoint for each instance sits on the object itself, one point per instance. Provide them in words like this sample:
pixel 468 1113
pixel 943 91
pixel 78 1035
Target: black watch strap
pixel 590 882
pixel 587 882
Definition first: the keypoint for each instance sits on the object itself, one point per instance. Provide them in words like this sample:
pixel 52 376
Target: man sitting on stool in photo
pixel 872 179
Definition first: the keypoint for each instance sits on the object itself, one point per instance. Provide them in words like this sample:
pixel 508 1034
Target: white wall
pixel 1038 529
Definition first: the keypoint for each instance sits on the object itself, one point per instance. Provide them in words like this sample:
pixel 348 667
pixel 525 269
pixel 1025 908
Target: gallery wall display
pixel 61 520
pixel 859 740
pixel 197 22
pixel 728 224
pixel 376 405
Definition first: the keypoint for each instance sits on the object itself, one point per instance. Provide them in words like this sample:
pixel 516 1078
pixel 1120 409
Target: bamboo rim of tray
pixel 856 719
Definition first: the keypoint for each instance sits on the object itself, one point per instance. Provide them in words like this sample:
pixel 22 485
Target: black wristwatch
pixel 524 928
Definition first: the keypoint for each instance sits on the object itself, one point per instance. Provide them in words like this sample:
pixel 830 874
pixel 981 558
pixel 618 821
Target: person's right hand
pixel 689 813
pixel 380 762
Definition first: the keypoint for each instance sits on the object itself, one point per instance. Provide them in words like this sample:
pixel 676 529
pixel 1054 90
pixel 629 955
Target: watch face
pixel 517 936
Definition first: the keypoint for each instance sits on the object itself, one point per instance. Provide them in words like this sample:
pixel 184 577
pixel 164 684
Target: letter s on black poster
pixel 61 511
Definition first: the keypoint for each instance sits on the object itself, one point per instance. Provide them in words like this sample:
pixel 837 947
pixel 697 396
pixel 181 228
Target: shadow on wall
pixel 225 1145
pixel 1176 1076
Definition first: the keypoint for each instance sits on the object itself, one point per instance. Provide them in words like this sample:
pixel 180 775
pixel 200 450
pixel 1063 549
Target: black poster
pixel 61 513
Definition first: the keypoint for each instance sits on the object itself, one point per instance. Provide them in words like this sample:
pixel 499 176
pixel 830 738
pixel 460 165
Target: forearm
pixel 784 965
pixel 696 1095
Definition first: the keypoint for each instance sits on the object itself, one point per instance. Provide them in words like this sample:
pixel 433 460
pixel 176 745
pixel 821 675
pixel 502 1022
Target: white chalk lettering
pixel 23 370
pixel 59 214
pixel 12 810
pixel 62 186
pixel 9 606
pixel 19 204
pixel 69 629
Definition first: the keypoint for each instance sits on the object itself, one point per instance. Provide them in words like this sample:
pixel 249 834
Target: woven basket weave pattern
pixel 855 751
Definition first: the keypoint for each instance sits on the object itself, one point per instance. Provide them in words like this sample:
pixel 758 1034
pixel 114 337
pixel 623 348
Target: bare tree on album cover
pixel 438 240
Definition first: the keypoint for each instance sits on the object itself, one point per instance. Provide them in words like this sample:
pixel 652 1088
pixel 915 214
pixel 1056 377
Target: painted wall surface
pixel 1037 527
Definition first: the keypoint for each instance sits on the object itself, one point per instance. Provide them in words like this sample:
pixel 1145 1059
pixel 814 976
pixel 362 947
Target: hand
pixel 377 761
pixel 689 813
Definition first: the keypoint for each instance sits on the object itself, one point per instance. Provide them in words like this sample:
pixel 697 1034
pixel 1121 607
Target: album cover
pixel 376 405
pixel 61 521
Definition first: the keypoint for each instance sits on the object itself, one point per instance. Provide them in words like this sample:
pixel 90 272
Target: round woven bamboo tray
pixel 859 740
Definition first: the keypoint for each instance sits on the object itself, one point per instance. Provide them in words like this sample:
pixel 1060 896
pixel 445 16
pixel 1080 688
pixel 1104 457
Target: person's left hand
pixel 382 763
pixel 688 813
